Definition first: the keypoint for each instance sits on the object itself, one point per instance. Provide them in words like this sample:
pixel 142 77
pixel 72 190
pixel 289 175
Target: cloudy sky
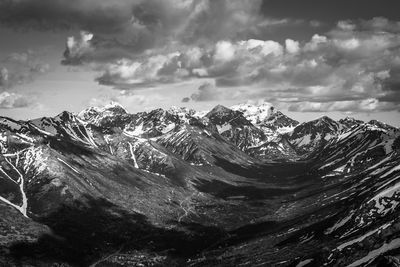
pixel 307 57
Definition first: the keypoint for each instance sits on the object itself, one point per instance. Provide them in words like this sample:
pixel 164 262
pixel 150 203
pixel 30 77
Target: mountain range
pixel 235 186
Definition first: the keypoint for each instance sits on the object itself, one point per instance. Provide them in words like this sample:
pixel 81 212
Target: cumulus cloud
pixel 216 61
pixel 154 24
pixel 354 67
pixel 356 61
pixel 224 51
pixel 120 29
pixel 143 43
pixel 265 48
pixel 78 48
pixel 157 68
pixel 13 100
pixel 292 46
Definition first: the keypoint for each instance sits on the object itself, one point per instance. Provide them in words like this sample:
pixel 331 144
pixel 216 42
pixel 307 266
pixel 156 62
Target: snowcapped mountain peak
pixel 200 114
pixel 326 121
pixel 88 113
pixel 157 112
pixel 220 109
pixel 65 116
pixel 220 115
pixel 309 135
pixel 266 117
pixel 175 109
pixel 350 122
pixel 116 107
pixel 113 108
pixel 347 118
pixel 255 113
pixel 108 116
pixel 279 121
pixel 181 111
pixel 253 107
pixel 97 115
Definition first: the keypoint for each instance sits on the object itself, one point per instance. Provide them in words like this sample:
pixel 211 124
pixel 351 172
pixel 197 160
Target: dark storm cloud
pixel 321 15
pixel 185 99
pixel 328 11
pixel 168 25
pixel 94 15
pixel 391 86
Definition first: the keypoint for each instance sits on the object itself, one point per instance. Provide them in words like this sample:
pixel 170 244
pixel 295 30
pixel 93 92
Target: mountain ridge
pixel 142 187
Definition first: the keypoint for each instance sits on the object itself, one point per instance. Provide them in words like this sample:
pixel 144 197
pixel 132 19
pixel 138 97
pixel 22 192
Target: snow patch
pixel 224 127
pixel 255 113
pixel 133 156
pixel 361 238
pixel 394 244
pixel 283 130
pixel 137 131
pixel 384 198
pixel 339 224
pixel 168 128
pixel 302 141
pixel 304 263
pixel 72 168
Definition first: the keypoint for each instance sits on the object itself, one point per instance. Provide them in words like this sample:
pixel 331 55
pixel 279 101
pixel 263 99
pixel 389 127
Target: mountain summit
pixel 255 113
pixel 266 117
